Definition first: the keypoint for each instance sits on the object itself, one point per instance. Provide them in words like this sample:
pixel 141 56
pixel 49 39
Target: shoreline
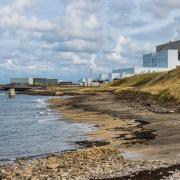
pixel 90 163
pixel 122 124
pixel 120 127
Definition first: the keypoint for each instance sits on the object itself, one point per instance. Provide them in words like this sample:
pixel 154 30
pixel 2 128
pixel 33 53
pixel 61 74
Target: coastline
pixel 128 126
pixel 120 126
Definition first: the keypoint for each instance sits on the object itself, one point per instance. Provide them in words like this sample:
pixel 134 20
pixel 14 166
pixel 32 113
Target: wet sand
pixel 134 130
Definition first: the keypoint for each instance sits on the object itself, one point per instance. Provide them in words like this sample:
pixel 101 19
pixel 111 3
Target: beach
pixel 128 141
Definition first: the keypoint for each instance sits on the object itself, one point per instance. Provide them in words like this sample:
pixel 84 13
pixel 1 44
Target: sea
pixel 29 128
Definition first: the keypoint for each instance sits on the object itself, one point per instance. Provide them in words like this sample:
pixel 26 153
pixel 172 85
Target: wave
pixel 47 119
pixel 41 103
pixel 39 100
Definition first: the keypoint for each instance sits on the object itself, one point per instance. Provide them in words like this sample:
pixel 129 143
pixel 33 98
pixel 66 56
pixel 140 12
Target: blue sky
pixel 64 39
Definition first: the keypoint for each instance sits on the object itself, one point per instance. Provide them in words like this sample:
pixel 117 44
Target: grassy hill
pixel 163 87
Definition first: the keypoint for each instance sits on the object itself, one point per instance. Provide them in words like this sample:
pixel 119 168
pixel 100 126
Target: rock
pixel 52 165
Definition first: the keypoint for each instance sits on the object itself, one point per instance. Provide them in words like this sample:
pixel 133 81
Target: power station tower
pixel 90 74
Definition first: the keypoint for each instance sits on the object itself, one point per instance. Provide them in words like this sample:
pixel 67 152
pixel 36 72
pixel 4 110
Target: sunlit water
pixel 29 128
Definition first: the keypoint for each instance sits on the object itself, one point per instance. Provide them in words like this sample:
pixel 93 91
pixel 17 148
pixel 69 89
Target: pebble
pixel 97 162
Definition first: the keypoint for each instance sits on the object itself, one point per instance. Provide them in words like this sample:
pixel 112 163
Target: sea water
pixel 28 127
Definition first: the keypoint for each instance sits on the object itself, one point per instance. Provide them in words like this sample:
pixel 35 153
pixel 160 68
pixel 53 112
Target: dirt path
pixel 139 133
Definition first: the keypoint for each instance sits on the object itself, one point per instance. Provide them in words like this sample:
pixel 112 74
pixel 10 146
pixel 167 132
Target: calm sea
pixel 29 128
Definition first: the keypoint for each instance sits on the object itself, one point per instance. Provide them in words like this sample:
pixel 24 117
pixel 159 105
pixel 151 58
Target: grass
pixel 164 87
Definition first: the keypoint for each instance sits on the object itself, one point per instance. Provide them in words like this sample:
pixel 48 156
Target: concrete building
pixel 45 82
pixel 34 81
pixel 103 77
pixel 167 57
pixel 67 83
pixel 52 82
pixel 85 82
pixel 169 45
pixel 21 81
pixel 128 72
pixel 95 84
pixel 113 76
pixel 162 59
pixel 40 81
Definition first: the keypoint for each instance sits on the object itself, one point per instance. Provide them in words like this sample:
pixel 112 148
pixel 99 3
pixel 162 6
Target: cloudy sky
pixel 67 38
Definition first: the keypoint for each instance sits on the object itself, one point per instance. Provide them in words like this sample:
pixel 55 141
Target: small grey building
pixel 52 82
pixel 40 81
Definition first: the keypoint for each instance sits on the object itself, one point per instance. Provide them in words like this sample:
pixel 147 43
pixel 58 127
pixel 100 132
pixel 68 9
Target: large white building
pixel 103 77
pixel 167 57
pixel 162 59
pixel 128 72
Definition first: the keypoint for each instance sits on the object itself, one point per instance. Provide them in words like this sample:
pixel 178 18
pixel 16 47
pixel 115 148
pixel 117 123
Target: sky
pixel 64 39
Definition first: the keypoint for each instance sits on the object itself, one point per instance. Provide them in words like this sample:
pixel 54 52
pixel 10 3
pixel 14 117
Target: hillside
pixel 163 87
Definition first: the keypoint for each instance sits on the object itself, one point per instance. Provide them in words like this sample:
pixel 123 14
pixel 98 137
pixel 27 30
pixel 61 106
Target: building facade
pixel 39 81
pixel 21 81
pixel 166 57
pixel 85 82
pixel 103 77
pixel 162 59
pixel 52 82
pixel 34 81
pixel 169 45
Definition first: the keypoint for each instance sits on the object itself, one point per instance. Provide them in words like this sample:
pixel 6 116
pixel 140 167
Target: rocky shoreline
pixel 120 126
pixel 94 163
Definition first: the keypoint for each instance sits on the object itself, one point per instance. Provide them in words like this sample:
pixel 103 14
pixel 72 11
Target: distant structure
pixel 33 82
pixel 104 77
pixel 162 59
pixel 168 46
pixel 166 57
pixel 67 83
pixel 12 93
pixel 21 81
pixel 85 82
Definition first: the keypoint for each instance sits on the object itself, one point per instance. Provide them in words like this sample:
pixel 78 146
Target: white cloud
pixel 161 8
pixel 80 45
pixel 13 16
pixel 10 64
pixel 118 50
pixel 80 20
pixel 92 22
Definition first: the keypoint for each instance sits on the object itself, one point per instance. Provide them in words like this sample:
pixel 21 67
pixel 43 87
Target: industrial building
pixel 34 81
pixel 21 81
pixel 169 45
pixel 67 83
pixel 39 81
pixel 167 57
pixel 128 72
pixel 162 59
pixel 103 77
pixel 85 82
pixel 52 82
